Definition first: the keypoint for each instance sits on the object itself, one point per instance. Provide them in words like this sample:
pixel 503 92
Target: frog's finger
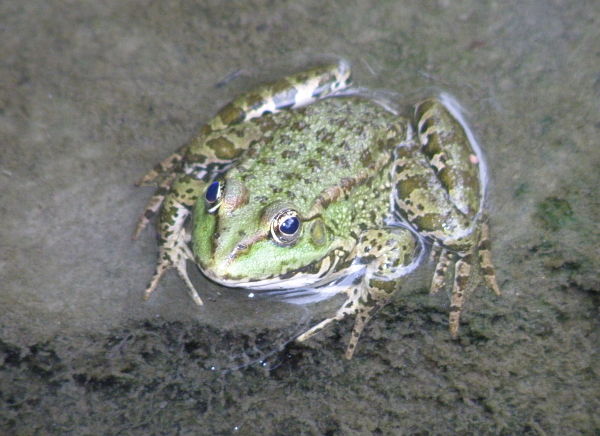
pixel 153 205
pixel 165 166
pixel 318 327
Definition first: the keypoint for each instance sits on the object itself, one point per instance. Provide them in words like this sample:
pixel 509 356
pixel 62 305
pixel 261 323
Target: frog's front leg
pixel 173 237
pixel 390 254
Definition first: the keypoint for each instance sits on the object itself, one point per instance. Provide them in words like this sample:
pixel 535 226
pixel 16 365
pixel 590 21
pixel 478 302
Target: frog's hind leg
pixel 440 186
pixel 463 282
pixel 290 92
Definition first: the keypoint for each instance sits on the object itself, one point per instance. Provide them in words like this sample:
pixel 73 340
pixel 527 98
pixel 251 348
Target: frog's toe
pixel 315 329
pixel 462 271
pixel 181 268
pixel 359 325
pixel 485 258
pixel 161 269
pixel 174 257
pixel 182 271
pixel 443 260
pixel 183 253
pixel 143 221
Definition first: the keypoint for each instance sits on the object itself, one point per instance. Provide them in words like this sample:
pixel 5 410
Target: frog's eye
pixel 285 227
pixel 213 196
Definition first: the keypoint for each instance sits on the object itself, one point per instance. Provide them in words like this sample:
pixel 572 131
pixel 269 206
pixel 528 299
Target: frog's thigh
pixel 421 197
pixel 448 148
pixel 173 239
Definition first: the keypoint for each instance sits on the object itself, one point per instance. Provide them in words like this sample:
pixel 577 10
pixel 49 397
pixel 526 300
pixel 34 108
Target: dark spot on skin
pixel 223 148
pixel 254 101
pixel 488 271
pixel 267 161
pixel 365 260
pixel 461 281
pixel 485 245
pixel 206 130
pixel 289 154
pixel 285 139
pixel 313 164
pixel 298 126
pixel 231 114
pixel 195 157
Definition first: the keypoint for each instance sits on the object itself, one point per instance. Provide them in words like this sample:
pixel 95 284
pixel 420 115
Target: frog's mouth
pixel 314 274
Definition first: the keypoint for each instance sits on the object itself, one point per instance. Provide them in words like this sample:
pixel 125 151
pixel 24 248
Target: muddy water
pixel 92 95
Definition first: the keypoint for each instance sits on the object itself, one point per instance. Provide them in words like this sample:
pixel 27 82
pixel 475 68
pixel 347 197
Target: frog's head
pixel 264 245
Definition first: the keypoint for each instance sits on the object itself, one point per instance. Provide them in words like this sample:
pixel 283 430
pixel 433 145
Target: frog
pixel 301 183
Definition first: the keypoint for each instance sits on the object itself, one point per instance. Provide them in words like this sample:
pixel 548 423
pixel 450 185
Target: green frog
pixel 300 183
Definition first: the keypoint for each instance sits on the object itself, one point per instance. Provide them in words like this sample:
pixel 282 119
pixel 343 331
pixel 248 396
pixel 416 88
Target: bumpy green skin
pixel 367 192
pixel 327 142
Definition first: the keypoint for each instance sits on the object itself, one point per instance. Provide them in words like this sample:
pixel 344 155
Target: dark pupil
pixel 212 192
pixel 290 225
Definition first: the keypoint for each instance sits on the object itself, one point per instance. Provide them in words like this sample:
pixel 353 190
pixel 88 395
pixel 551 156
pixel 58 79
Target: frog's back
pixel 301 152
